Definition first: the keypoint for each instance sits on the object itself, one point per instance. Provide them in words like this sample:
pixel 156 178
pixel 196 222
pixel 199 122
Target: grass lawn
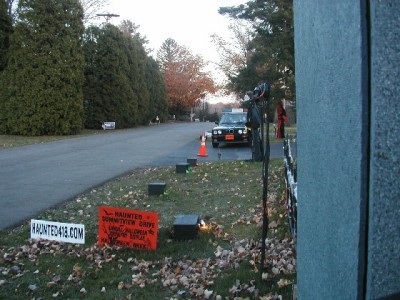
pixel 8 141
pixel 223 262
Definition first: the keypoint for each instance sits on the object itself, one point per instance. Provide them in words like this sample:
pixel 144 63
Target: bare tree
pixel 91 8
pixel 234 52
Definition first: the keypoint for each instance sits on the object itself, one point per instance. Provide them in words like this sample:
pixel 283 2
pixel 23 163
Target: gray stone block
pixel 192 162
pixel 156 188
pixel 182 168
pixel 186 227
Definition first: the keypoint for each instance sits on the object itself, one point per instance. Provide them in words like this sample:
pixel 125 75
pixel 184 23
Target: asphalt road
pixel 34 178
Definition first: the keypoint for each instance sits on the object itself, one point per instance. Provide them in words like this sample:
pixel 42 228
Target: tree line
pixel 122 83
pixel 57 77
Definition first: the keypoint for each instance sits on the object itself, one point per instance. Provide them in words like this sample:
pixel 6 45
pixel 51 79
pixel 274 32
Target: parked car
pixel 231 129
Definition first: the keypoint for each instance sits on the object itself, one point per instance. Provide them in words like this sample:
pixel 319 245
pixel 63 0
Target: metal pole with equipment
pixel 257 103
pixel 261 95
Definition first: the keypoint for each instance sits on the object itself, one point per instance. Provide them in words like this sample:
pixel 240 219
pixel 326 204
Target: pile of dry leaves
pixel 194 278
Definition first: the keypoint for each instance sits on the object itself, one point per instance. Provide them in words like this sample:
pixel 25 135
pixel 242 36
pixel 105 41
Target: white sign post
pixel 61 232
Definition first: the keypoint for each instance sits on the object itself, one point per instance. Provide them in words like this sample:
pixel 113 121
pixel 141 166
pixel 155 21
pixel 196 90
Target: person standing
pixel 280 132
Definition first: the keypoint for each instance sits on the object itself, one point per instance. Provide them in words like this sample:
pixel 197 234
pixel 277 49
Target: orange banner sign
pixel 128 228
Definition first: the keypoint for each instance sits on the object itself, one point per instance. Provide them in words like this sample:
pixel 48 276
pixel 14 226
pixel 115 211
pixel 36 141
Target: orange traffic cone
pixel 203 150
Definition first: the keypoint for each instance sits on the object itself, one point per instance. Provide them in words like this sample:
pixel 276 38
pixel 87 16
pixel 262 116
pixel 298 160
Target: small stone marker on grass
pixel 182 168
pixel 186 227
pixel 156 188
pixel 192 162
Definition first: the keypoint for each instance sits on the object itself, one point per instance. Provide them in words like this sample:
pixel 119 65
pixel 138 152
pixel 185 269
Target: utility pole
pixel 108 16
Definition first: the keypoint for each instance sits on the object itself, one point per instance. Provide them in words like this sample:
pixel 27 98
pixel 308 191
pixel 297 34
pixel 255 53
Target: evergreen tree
pixel 122 83
pixel 158 102
pixel 137 65
pixel 44 75
pixel 108 92
pixel 169 52
pixel 272 49
pixel 144 85
pixel 91 88
pixel 5 31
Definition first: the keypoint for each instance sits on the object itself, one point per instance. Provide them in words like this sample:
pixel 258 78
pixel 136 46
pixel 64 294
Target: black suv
pixel 231 129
